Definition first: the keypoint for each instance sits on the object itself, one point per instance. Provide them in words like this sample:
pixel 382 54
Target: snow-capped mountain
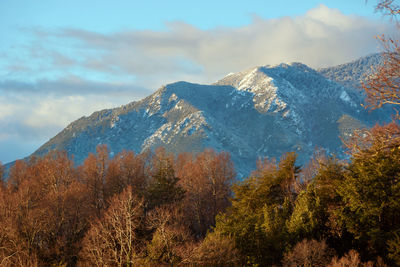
pixel 264 111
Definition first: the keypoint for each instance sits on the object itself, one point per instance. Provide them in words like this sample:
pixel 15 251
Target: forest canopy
pixel 159 209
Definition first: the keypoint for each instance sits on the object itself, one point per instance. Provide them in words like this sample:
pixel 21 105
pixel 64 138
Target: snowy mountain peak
pixel 263 111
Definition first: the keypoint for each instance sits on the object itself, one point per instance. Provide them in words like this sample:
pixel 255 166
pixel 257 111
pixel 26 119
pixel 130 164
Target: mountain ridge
pixel 263 111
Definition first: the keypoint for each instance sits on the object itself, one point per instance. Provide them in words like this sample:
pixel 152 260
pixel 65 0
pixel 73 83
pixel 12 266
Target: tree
pixel 126 169
pixel 309 253
pixel 371 189
pixel 383 85
pixel 394 249
pixel 94 172
pixel 43 216
pixel 170 237
pixel 353 259
pixel 18 174
pixel 315 212
pixel 114 239
pixel 215 250
pixel 206 179
pixel 163 186
pixel 261 206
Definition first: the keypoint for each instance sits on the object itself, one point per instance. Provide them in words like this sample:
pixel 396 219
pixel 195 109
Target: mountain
pixel 264 111
pixel 351 74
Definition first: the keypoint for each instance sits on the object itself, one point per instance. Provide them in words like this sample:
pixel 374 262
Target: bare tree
pixel 93 172
pixel 383 85
pixel 308 253
pixel 113 240
pixel 170 236
pixel 206 179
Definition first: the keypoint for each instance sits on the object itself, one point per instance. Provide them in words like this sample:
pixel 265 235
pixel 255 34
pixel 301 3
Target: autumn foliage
pixel 127 210
pixel 157 209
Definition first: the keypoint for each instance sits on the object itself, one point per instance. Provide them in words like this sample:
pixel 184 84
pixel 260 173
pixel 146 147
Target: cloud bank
pixel 31 113
pixel 321 37
pixel 73 72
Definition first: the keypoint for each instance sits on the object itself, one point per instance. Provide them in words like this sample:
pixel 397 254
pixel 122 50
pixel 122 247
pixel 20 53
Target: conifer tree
pixel 371 189
pixel 261 206
pixel 163 187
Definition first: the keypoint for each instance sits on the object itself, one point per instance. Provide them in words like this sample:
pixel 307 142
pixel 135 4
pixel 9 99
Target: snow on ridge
pixel 186 126
pixel 173 97
pixel 114 121
pixel 248 80
pixel 344 96
pixel 265 91
pixel 179 105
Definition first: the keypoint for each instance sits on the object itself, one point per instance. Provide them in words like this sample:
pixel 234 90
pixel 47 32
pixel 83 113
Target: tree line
pixel 157 209
pixel 129 210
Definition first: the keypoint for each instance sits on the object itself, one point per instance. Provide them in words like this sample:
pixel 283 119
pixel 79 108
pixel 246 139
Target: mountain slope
pixel 351 74
pixel 265 111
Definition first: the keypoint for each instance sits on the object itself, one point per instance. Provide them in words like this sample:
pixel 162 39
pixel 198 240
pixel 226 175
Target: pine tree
pixel 163 187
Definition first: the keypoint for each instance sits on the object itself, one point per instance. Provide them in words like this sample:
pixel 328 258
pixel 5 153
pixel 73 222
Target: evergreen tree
pixel 371 189
pixel 163 188
pixel 260 208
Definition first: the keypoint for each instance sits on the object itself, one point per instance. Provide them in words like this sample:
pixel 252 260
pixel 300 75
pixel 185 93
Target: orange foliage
pixel 47 206
pixel 43 214
pixel 206 179
pixel 380 139
pixel 126 169
pixel 383 86
pixel 93 171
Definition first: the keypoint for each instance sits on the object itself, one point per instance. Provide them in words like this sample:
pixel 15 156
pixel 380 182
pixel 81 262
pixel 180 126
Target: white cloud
pixel 38 116
pixel 321 37
pixel 30 114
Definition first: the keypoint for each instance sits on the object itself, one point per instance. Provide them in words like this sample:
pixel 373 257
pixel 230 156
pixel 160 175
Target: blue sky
pixel 107 16
pixel 61 60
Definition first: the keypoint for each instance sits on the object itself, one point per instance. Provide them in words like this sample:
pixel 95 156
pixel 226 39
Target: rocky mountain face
pixel 264 111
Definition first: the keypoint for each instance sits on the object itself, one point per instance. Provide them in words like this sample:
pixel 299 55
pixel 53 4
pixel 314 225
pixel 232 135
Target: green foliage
pixel 307 216
pixel 314 215
pixel 163 188
pixel 371 190
pixel 260 208
pixel 394 249
pixel 215 250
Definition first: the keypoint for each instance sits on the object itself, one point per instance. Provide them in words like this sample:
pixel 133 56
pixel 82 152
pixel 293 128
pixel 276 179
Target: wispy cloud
pixel 72 86
pixel 321 37
pixel 31 113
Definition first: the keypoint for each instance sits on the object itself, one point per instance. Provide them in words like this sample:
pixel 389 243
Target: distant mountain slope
pixel 264 111
pixel 351 74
